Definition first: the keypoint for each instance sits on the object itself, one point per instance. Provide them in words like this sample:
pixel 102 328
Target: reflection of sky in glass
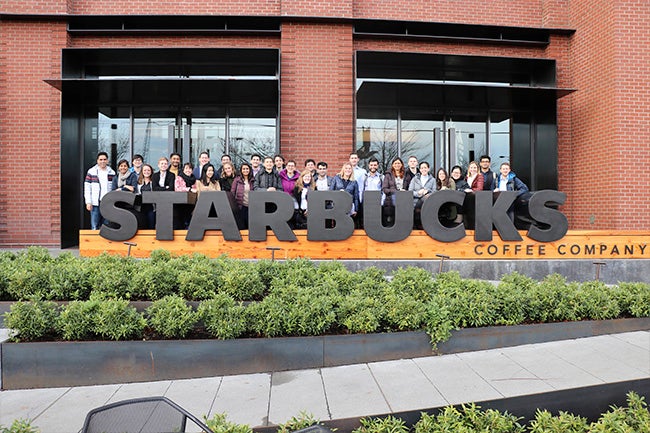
pixel 417 139
pixel 382 134
pixel 151 138
pixel 106 136
pixel 500 143
pixel 251 135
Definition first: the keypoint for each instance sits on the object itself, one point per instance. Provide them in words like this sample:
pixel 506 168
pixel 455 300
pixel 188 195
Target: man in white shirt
pixel 98 183
pixel 359 176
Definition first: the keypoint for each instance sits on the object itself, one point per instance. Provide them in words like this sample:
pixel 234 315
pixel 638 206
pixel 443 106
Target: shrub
pixel 6 269
pixel 111 275
pixel 222 317
pixel 388 424
pixel 473 304
pixel 32 320
pixel 360 313
pixel 292 311
pixel 219 424
pixel 633 418
pixel 77 320
pixel 117 320
pixel 67 279
pixel 303 420
pixel 19 426
pixel 550 301
pixel 29 279
pixel 267 270
pixel 565 422
pixel 437 321
pixel 154 279
pixel 634 299
pixel 239 279
pixel 404 312
pixel 469 419
pixel 197 280
pixel 596 301
pixel 415 282
pixel 171 317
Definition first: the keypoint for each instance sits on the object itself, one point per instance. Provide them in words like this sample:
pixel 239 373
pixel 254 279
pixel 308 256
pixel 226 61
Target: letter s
pixel 541 213
pixel 123 217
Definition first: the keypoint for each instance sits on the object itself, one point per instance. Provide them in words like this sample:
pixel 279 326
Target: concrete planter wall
pixel 55 364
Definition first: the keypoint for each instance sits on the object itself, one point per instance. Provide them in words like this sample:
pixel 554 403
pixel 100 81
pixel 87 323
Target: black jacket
pixel 170 179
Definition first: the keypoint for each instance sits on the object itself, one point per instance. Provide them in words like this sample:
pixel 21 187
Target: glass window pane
pixel 251 135
pixel 377 138
pixel 417 139
pixel 470 135
pixel 500 142
pixel 115 129
pixel 151 134
pixel 208 134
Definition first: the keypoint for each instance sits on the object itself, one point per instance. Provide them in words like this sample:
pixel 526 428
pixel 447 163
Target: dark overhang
pixel 169 75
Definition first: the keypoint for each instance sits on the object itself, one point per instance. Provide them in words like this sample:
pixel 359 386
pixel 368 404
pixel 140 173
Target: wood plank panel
pixel 577 244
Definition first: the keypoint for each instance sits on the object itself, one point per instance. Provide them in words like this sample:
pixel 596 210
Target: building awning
pixel 231 90
pixel 395 93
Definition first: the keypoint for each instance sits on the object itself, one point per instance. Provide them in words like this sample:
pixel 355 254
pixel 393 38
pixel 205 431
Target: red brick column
pixel 610 64
pixel 30 132
pixel 316 100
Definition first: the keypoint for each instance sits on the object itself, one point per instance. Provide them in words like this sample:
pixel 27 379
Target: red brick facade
pixel 603 128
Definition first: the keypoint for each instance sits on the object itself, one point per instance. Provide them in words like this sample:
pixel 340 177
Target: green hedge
pixel 285 298
pixel 469 418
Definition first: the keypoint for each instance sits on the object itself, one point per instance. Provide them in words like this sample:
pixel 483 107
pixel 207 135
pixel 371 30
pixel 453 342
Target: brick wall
pixel 495 12
pixel 30 131
pixel 175 7
pixel 317 8
pixel 316 118
pixel 35 7
pixel 603 169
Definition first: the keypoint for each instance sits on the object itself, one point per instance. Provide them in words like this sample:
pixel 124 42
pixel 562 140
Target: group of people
pixel 276 174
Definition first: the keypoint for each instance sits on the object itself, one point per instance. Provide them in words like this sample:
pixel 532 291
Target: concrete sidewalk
pixel 361 389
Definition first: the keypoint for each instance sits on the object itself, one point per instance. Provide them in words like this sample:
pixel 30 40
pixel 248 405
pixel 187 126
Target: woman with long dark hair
pixel 241 186
pixel 208 181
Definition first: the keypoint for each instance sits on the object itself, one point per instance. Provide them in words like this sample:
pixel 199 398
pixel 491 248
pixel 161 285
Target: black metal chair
pixel 141 415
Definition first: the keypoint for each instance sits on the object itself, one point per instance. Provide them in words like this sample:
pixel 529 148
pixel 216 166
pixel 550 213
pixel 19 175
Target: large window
pixel 157 101
pixel 451 109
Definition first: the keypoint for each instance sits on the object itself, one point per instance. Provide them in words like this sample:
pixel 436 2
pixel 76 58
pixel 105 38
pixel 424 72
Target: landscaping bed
pixel 226 316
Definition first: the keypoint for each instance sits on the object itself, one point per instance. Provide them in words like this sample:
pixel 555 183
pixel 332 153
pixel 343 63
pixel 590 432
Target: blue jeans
pixel 96 219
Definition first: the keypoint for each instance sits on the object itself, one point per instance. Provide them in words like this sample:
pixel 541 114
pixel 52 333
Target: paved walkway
pixel 361 389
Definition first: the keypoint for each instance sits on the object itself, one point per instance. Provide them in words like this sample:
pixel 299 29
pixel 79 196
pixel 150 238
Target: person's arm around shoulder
pixel 520 186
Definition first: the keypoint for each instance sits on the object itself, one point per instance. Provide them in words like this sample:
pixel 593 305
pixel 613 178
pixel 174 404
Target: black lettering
pixel 642 248
pixel 430 221
pixel 278 220
pixel 506 248
pixel 476 249
pixel 560 249
pixel 629 249
pixel 603 248
pixel 338 210
pixel 403 225
pixel 614 250
pixel 557 221
pixel 202 221
pixel 529 250
pixel 488 214
pixel 123 217
pixel 492 249
pixel 517 249
pixel 590 249
pixel 164 201
pixel 542 250
pixel 575 249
